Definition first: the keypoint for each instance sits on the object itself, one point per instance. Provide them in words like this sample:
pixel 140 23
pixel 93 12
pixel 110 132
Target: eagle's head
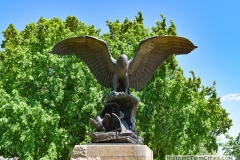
pixel 122 61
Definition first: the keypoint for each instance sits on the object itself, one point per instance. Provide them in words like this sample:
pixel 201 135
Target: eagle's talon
pixel 114 93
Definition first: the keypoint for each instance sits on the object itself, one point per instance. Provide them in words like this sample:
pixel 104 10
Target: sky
pixel 213 26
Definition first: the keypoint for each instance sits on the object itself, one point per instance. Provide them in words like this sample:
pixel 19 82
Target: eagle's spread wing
pixel 93 52
pixel 151 53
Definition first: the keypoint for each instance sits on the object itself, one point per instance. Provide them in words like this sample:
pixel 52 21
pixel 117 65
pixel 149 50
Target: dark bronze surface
pixel 134 73
pixel 116 121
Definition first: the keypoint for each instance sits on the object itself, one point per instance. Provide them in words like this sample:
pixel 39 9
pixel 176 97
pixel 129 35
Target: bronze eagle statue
pixel 122 74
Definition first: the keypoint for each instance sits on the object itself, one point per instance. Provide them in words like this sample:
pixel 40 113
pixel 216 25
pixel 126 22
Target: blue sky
pixel 214 26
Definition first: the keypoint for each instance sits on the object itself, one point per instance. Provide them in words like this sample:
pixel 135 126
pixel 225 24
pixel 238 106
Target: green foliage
pixel 47 100
pixel 61 87
pixel 29 131
pixel 232 147
pixel 180 115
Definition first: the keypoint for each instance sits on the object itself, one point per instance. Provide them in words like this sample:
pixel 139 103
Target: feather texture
pixel 151 53
pixel 93 52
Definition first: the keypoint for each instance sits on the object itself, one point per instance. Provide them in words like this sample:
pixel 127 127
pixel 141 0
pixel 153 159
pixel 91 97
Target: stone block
pixel 113 151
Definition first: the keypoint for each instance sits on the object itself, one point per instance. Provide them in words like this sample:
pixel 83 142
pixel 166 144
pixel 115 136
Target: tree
pixel 181 114
pixel 59 86
pixel 232 147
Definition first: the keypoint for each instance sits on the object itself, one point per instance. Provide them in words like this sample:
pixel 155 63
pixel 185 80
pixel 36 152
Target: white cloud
pixel 231 97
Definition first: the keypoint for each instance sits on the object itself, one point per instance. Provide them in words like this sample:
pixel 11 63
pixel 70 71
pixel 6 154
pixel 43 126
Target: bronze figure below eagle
pixel 122 74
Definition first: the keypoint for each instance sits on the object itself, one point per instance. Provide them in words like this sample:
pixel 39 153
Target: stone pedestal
pixel 113 151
